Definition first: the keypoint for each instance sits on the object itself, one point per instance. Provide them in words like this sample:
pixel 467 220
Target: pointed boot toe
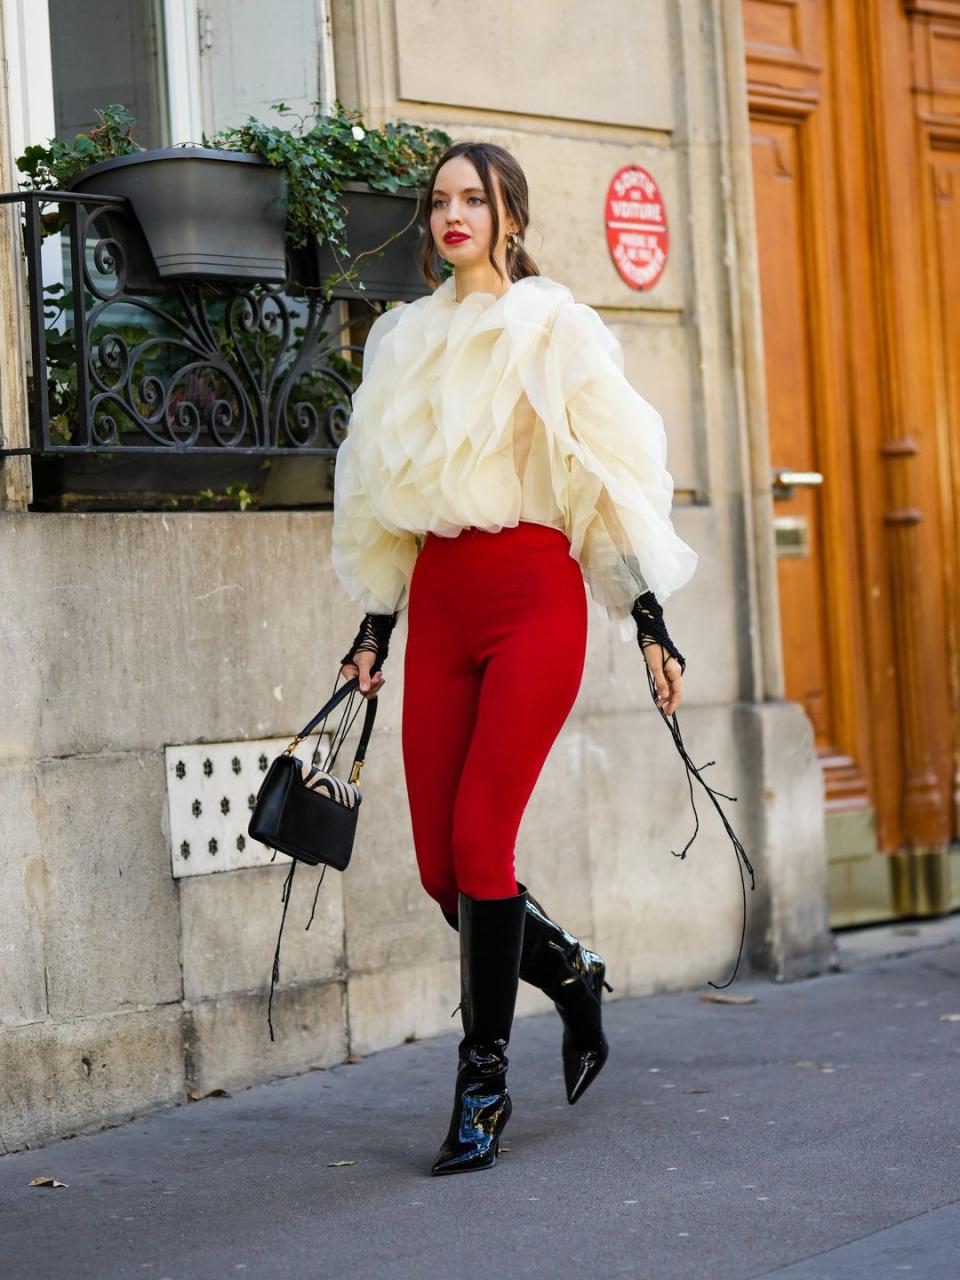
pixel 464 1159
pixel 582 1066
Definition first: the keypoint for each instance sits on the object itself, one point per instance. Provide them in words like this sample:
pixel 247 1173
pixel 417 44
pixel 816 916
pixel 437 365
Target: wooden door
pixel 858 532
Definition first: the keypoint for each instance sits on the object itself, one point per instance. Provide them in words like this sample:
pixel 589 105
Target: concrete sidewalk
pixel 811 1135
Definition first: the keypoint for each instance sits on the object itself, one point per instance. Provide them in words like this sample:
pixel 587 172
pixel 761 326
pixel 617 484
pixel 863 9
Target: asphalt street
pixel 809 1135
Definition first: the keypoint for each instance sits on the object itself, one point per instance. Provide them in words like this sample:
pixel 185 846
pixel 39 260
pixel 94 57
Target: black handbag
pixel 307 812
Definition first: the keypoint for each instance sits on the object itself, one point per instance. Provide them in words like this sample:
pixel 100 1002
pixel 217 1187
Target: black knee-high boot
pixel 491 938
pixel 573 977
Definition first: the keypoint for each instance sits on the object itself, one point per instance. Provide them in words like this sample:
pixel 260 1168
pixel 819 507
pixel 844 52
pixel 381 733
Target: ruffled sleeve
pixel 377 332
pixel 620 492
pixel 372 559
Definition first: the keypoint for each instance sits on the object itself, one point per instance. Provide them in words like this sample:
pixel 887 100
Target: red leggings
pixel 496 639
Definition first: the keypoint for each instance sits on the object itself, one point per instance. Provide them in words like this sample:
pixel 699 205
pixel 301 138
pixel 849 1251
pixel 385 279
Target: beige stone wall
pixel 122 988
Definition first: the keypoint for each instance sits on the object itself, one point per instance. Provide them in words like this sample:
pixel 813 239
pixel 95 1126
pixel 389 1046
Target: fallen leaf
pixel 709 998
pixel 338 1164
pixel 352 1058
pixel 45 1182
pixel 950 1017
pixel 196 1096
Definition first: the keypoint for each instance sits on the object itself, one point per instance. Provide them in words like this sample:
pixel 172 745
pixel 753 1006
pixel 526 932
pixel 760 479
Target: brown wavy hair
pixel 488 159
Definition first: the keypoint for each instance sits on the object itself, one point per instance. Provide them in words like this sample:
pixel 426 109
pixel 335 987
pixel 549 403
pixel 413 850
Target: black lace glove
pixel 651 628
pixel 373 637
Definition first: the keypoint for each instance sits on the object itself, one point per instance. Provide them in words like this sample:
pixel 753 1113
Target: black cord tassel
pixel 275 976
pixel 313 909
pixel 742 860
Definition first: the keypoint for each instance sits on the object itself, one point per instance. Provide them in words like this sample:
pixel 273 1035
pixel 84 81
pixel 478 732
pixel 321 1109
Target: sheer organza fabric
pixel 494 410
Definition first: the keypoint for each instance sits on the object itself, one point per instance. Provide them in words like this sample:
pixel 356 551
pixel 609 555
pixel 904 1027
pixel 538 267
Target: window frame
pixel 27 39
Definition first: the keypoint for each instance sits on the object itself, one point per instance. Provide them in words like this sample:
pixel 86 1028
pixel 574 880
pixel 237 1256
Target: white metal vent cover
pixel 211 789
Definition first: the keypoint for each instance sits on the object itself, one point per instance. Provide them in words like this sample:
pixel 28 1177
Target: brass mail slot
pixel 792 535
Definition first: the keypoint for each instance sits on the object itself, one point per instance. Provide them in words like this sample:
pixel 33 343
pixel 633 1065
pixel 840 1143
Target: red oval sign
pixel 637 231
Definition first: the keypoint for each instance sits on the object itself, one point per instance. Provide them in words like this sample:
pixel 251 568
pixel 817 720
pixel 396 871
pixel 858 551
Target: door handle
pixel 785 481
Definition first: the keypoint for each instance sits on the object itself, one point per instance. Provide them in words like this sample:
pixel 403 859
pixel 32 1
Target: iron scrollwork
pixel 134 363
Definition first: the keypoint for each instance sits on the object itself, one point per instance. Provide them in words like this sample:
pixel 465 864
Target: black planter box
pixel 205 215
pixel 372 217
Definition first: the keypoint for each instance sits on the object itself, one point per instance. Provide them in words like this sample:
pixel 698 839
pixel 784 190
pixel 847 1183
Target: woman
pixel 497 461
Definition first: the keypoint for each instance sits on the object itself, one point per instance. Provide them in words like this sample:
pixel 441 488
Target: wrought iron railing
pixel 121 362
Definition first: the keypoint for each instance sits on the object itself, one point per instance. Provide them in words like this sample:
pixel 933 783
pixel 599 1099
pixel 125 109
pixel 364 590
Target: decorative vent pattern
pixel 211 790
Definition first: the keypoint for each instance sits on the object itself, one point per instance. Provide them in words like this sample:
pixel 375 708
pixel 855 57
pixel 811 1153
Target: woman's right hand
pixel 370 686
pixel 667 676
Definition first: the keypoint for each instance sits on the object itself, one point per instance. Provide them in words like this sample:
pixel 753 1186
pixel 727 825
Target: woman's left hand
pixel 667 678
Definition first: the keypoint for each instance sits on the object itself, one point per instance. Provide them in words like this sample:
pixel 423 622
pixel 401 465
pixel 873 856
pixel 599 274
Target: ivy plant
pixel 318 153
pixel 321 152
pixel 54 166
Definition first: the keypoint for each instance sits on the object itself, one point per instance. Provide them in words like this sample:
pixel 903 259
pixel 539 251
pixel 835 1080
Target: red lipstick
pixel 454 237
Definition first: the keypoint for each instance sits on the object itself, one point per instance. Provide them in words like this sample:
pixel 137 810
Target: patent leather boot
pixel 574 978
pixel 491 937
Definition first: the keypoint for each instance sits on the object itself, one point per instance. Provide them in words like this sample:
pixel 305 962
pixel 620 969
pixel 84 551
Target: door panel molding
pixel 932 8
pixel 941 147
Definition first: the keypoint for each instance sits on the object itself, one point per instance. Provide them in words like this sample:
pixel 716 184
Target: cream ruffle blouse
pixel 494 410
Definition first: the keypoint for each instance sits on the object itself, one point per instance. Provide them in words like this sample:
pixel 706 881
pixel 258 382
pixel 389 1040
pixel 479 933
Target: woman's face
pixel 460 218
